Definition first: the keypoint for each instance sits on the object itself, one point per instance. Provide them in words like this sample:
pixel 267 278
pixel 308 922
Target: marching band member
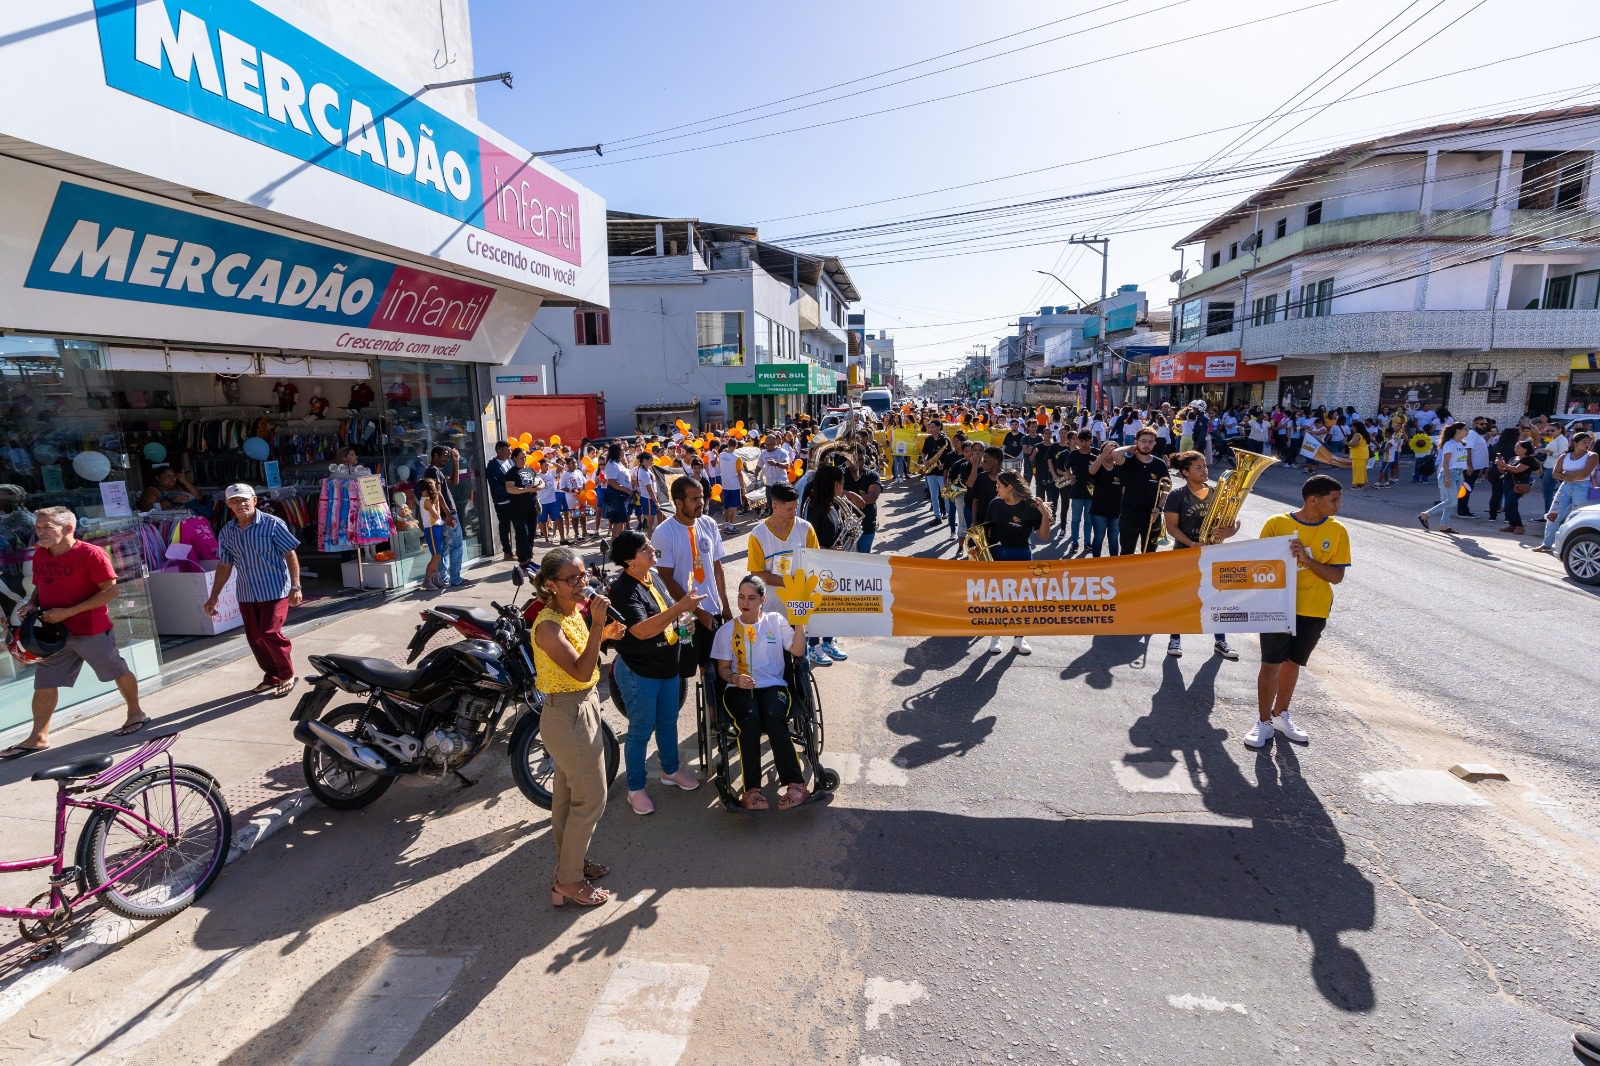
pixel 1184 513
pixel 1140 480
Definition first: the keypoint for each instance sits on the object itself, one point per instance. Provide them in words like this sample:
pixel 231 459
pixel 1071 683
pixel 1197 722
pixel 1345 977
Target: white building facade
pixel 1455 266
pixel 707 323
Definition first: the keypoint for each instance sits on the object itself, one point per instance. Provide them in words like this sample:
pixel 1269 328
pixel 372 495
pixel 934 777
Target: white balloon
pixel 91 466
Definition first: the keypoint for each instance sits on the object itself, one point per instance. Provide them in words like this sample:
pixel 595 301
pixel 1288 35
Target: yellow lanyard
pixel 661 605
pixel 744 638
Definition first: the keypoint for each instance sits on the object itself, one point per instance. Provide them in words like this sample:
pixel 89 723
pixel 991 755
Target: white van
pixel 878 401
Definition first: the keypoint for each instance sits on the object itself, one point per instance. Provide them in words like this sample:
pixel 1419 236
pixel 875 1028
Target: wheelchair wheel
pixel 815 696
pixel 702 728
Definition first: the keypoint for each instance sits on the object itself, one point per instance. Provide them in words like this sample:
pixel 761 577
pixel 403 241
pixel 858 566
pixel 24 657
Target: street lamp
pixel 1063 284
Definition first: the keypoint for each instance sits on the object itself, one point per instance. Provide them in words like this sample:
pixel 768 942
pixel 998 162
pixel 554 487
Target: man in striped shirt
pixel 261 547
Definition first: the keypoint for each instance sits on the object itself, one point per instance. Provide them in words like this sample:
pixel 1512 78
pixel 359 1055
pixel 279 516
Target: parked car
pixel 1578 545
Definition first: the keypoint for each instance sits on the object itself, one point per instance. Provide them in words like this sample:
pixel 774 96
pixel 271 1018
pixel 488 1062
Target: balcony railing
pixel 1406 331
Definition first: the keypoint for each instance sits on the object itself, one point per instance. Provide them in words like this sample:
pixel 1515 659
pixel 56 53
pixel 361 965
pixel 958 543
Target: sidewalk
pixel 243 739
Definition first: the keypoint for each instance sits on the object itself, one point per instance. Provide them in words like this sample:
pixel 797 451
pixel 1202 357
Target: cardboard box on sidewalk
pixel 178 598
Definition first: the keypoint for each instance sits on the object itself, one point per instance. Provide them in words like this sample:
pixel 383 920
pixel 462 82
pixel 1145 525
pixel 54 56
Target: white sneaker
pixel 1260 735
pixel 1224 649
pixel 1288 730
pixel 994 645
pixel 1022 646
pixel 1175 647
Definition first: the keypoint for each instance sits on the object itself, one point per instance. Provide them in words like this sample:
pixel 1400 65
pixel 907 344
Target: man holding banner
pixel 1322 554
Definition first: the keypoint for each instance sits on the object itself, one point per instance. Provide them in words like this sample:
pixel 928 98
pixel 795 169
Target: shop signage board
pixel 1198 368
pixel 255 103
pixel 793 379
pixel 111 261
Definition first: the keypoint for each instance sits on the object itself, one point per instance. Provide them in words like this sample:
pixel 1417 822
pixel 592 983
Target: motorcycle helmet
pixel 40 639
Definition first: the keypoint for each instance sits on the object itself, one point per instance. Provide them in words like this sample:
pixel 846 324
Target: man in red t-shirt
pixel 73 584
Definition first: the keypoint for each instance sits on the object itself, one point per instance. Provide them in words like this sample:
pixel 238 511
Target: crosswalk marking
pixel 644 1015
pixel 1409 788
pixel 884 997
pixel 378 1019
pixel 853 770
pixel 1161 776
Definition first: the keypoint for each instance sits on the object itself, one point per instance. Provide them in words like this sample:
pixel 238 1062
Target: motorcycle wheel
pixel 535 771
pixel 336 783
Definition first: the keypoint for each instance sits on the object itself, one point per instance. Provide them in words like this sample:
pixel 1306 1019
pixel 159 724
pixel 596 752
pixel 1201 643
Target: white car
pixel 1578 545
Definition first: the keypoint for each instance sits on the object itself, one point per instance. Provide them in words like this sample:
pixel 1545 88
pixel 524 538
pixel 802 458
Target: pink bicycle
pixel 149 848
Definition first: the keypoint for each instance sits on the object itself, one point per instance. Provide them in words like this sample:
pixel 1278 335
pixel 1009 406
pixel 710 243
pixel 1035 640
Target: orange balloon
pixel 555 438
pixel 589 485
pixel 662 460
pixel 536 456
pixel 716 492
pixel 588 496
pixel 738 425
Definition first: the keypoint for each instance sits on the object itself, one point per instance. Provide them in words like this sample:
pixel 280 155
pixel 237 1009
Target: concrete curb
pixel 107 931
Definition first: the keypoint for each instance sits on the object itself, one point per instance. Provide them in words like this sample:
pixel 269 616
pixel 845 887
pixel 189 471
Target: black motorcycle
pixel 435 718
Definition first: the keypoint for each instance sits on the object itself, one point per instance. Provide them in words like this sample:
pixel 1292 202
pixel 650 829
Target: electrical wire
pixel 965 92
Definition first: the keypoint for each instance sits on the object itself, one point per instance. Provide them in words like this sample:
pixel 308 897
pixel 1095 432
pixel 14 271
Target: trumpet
pixel 975 544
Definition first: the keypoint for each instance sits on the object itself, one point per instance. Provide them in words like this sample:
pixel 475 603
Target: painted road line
pixel 1162 776
pixel 1191 1002
pixel 117 1030
pixel 644 1015
pixel 378 1019
pixel 846 765
pixel 884 997
pixel 1418 788
pixel 853 769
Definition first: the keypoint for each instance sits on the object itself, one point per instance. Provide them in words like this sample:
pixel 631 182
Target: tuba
pixel 850 521
pixel 975 545
pixel 1227 498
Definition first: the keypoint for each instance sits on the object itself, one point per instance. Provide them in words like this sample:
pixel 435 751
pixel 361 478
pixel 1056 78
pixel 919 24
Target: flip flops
pixel 133 727
pixel 17 751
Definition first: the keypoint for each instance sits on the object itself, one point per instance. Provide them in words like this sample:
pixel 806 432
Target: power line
pixel 902 81
pixel 965 92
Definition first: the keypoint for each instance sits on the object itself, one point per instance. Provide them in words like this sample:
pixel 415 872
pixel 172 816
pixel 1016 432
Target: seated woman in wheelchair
pixel 748 654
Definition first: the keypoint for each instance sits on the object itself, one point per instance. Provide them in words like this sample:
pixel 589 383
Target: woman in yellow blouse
pixel 566 652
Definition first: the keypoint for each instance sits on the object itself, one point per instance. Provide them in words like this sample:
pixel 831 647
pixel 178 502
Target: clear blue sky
pixel 612 71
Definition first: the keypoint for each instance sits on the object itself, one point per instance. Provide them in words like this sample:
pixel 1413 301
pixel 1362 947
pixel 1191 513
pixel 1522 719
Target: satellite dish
pixel 1175 277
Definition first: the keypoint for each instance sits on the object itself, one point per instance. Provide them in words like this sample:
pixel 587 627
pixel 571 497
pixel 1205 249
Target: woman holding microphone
pixel 566 652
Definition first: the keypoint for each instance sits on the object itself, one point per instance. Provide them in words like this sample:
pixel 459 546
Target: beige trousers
pixel 570 728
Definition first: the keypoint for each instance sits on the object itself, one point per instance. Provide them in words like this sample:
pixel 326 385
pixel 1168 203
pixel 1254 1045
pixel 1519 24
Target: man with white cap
pixel 261 547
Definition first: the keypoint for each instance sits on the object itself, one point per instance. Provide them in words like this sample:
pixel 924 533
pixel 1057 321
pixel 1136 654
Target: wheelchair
pixel 719 733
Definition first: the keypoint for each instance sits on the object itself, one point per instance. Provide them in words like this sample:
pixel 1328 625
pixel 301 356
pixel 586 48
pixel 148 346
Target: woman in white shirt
pixel 748 652
pixel 1452 469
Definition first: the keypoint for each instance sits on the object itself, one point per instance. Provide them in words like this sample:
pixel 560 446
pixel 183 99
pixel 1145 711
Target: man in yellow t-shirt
pixel 1322 554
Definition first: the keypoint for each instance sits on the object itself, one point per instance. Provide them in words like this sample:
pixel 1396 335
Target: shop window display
pixel 62 446
pixel 432 405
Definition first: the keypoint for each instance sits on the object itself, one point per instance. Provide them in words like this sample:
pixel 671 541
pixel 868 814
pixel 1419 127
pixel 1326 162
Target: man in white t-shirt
pixel 689 557
pixel 1477 442
pixel 774 464
pixel 1548 453
pixel 730 472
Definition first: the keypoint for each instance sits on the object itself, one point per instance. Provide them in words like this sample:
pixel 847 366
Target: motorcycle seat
pixel 379 673
pixel 482 617
pixel 72 771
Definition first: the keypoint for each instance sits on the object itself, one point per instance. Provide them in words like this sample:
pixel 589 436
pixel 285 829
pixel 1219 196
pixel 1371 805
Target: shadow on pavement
pixel 1103 655
pixel 942 718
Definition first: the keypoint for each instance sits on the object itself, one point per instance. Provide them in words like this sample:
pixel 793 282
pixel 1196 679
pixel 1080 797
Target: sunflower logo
pixel 826 582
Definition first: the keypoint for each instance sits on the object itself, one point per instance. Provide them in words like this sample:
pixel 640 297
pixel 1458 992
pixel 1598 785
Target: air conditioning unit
pixel 1482 379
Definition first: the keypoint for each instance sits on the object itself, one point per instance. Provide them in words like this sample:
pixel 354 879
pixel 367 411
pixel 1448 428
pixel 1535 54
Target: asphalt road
pixel 1065 857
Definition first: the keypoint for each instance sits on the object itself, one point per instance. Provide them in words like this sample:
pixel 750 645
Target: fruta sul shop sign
pixel 240 68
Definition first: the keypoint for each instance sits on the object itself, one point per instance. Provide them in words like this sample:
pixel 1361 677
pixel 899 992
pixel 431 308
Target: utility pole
pixel 1102 245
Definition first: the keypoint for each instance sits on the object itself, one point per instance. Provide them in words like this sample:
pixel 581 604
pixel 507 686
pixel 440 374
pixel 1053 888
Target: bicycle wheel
pixel 535 771
pixel 188 807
